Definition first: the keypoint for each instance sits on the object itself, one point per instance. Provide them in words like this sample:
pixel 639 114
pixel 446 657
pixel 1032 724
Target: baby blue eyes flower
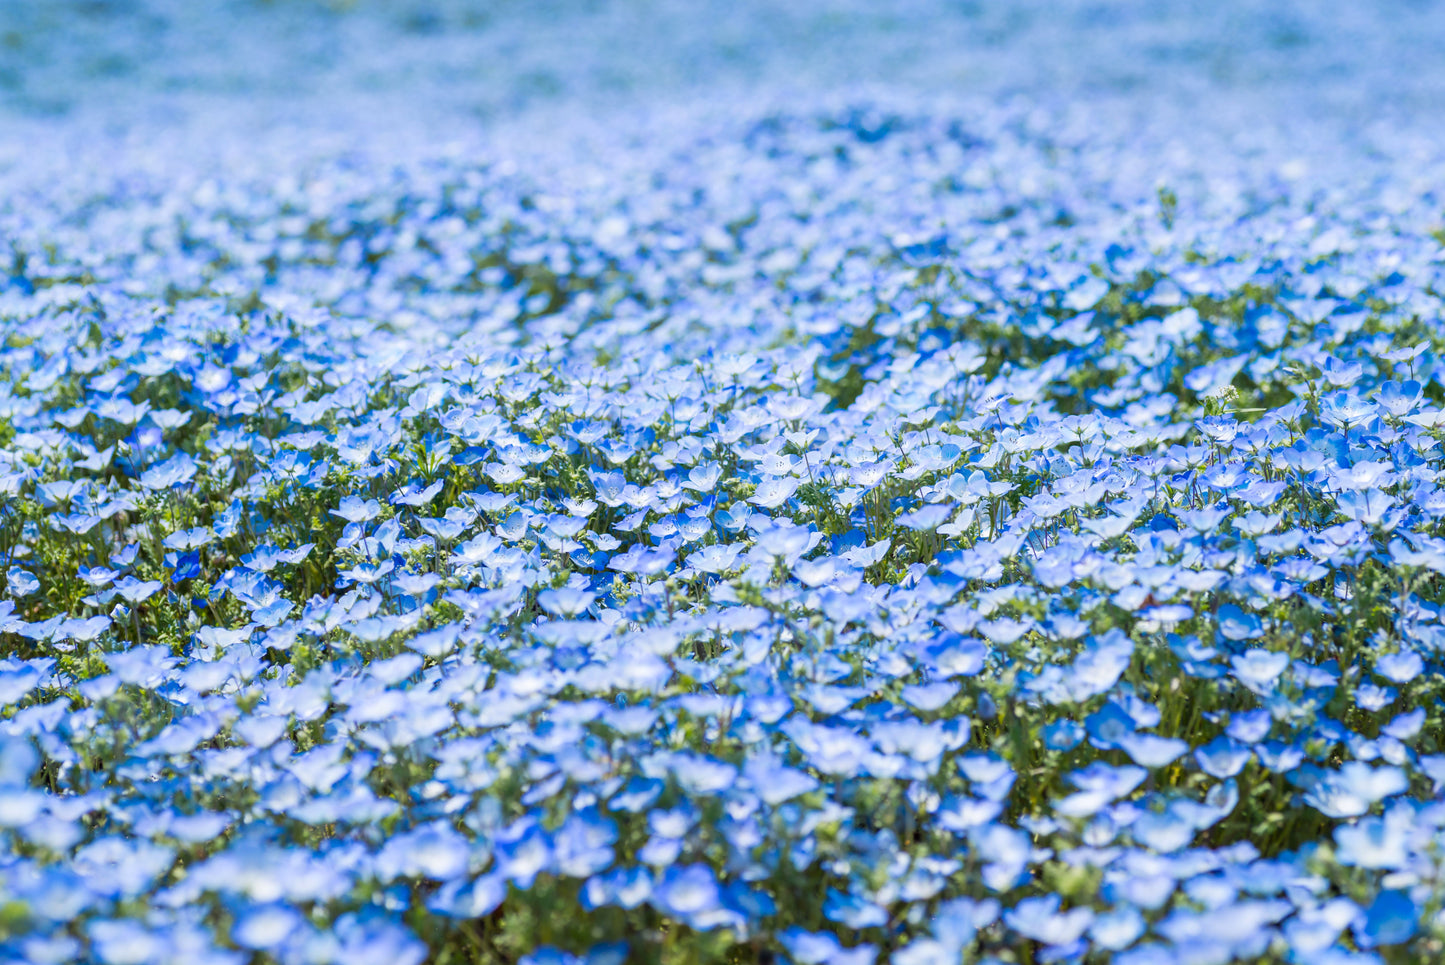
pixel 1063 735
pixel 1346 410
pixel 774 491
pixel 1398 398
pixel 1235 624
pixel 774 782
pixel 1250 727
pixel 357 510
pixel 18 760
pixel 121 410
pixel 1259 669
pixel 930 697
pixel 1222 757
pixel 687 892
pixel 1098 786
pixel 1350 791
pixel 1343 374
pixel 1372 697
pixel 1401 667
pixel 624 887
pixel 1390 920
pixel 183 566
pixel 1108 725
pixel 523 853
pixel 137 591
pixel 1406 726
pixel 20 582
pixel 821 948
pixel 702 775
pixel 415 496
pixel 1164 832
pixel 717 559
pixel 1004 631
pixel 1150 750
pixel 925 518
pixel 1375 842
pixel 566 601
pixel 125 942
pixel 583 844
pixel 1041 920
pixel 434 851
pixel 175 471
pixel 265 928
pixel 853 911
pixel 1279 757
pixel 1117 930
pixel 472 899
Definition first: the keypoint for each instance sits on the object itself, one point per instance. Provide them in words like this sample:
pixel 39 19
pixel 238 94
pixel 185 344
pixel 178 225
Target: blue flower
pixel 1390 920
pixel 1235 624
pixel 1259 669
pixel 266 927
pixel 1375 842
pixel 1222 757
pixel 687 892
pixel 1150 750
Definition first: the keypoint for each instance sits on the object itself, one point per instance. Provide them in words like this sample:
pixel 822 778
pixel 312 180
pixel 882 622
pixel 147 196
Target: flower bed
pixel 832 535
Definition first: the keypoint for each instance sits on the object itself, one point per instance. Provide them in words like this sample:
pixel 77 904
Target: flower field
pixel 857 527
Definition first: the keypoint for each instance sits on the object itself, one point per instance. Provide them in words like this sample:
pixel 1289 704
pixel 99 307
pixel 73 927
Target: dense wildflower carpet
pixel 833 531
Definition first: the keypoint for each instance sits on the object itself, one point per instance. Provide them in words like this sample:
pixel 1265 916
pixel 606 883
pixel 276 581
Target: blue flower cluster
pixel 863 532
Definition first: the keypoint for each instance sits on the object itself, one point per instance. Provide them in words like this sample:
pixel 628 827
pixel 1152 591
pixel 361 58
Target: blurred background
pixel 159 62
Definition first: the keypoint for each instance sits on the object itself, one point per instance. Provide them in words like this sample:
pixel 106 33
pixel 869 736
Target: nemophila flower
pixel 1350 791
pixel 1006 631
pixel 467 899
pixel 1236 624
pixel 565 601
pixel 1098 785
pixel 1279 757
pixel 772 492
pixel 1400 667
pixel 1041 920
pixel 1150 750
pixel 20 582
pixel 1249 727
pixel 1239 928
pixel 175 471
pixel 821 948
pixel 1372 697
pixel 690 893
pixel 1314 929
pixel 1258 669
pixel 357 510
pixel 266 927
pixel 1390 920
pixel 137 591
pixel 1117 930
pixel 1376 842
pixel 125 942
pixel 773 781
pixel 1063 735
pixel 1346 410
pixel 583 844
pixel 1340 373
pixel 434 851
pixel 266 557
pixel 1222 757
pixel 183 566
pixel 1405 726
